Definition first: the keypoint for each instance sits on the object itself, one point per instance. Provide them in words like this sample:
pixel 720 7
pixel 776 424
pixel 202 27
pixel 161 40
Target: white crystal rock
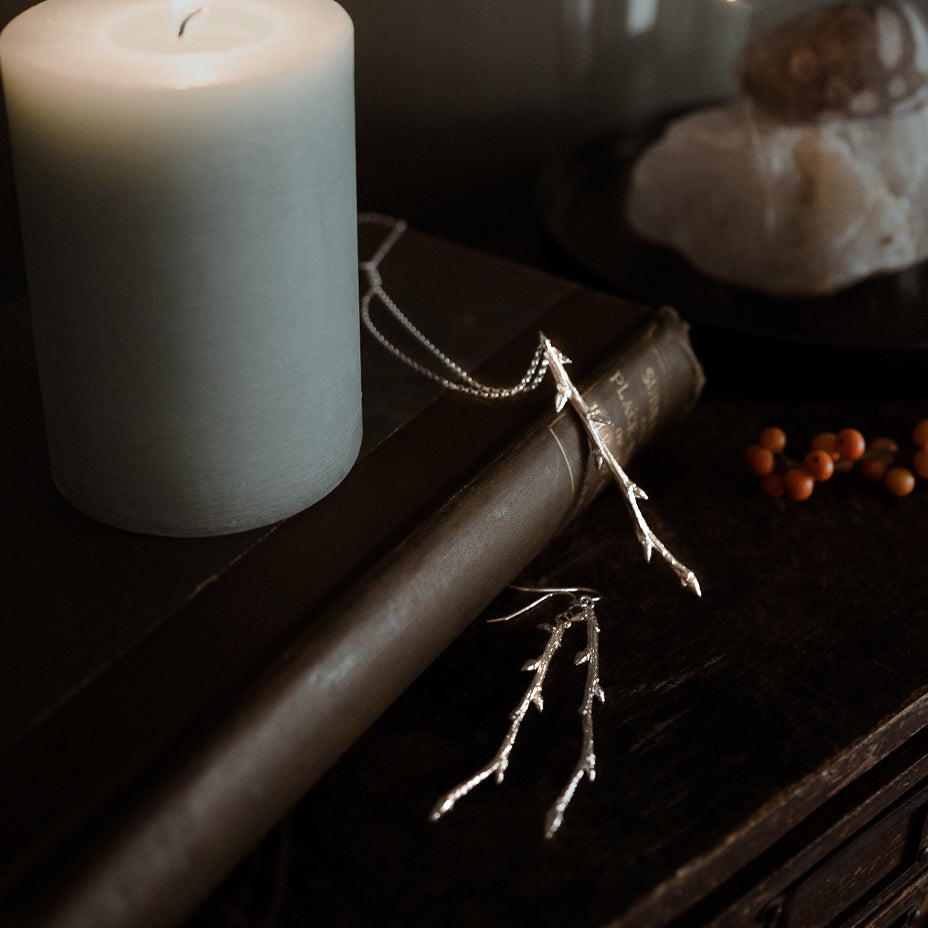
pixel 791 209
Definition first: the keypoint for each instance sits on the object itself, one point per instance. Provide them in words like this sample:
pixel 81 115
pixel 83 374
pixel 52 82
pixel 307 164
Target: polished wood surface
pixel 761 755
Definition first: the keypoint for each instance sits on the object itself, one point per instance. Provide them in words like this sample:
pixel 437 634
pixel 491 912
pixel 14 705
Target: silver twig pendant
pixel 593 423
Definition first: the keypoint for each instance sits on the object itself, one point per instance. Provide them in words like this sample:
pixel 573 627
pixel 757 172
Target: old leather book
pixel 166 701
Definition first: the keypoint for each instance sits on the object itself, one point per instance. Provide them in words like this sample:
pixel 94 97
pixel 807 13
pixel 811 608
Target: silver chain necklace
pixel 463 382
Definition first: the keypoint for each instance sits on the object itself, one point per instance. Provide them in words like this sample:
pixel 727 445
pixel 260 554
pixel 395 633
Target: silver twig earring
pixel 580 608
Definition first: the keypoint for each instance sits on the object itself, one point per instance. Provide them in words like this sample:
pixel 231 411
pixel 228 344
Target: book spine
pixel 244 771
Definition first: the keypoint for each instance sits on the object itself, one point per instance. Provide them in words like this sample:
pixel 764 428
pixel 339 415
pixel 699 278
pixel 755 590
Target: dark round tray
pixel 582 205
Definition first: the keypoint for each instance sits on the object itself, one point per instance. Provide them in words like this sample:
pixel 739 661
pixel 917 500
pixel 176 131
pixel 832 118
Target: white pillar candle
pixel 189 217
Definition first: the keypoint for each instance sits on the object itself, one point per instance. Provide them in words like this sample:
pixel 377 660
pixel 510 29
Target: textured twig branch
pixel 532 696
pixel 586 766
pixel 593 423
pixel 581 609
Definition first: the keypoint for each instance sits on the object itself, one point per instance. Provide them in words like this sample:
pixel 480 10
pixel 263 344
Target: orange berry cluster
pixel 830 453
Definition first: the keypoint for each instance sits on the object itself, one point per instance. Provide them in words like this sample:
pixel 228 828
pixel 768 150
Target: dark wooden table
pixel 762 754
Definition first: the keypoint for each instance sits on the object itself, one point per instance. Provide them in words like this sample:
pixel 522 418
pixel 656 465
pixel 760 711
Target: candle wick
pixel 186 19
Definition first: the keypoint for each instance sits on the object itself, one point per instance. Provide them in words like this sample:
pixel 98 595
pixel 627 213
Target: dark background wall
pixel 456 100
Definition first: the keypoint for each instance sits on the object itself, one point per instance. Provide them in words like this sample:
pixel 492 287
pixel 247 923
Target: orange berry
pixel 883 444
pixel 825 441
pixel 900 481
pixel 920 462
pixel 920 434
pixel 760 460
pixel 820 464
pixel 850 444
pixel 798 483
pixel 874 468
pixel 772 484
pixel 878 458
pixel 772 438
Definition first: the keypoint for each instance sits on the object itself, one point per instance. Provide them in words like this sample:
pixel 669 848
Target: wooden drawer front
pixel 858 876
